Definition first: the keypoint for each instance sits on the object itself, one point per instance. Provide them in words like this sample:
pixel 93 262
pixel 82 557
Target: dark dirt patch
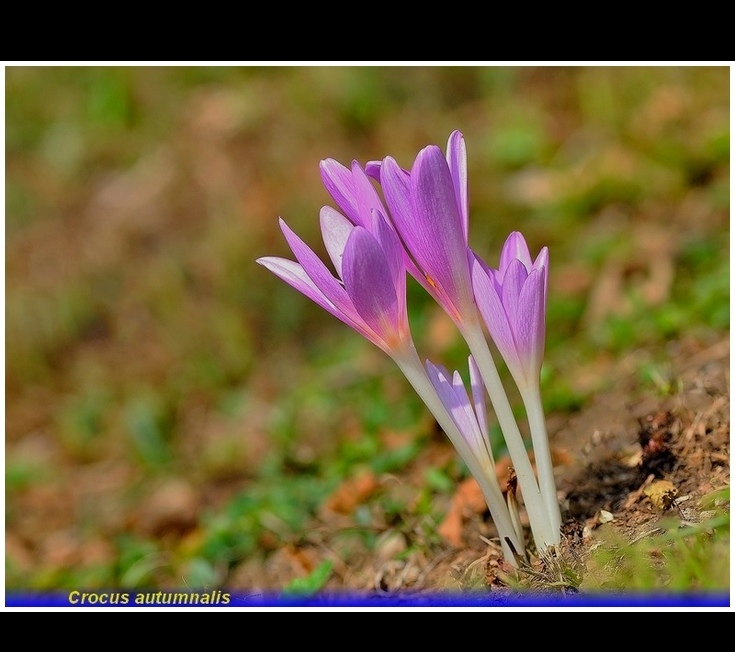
pixel 682 438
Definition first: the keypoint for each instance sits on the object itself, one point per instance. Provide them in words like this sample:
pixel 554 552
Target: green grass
pixel 675 558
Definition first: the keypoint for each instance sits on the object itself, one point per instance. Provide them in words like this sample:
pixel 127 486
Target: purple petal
pixel 530 325
pixel 439 370
pixel 369 283
pixel 515 248
pixel 466 418
pixel 396 184
pixel 293 274
pixel 453 395
pixel 454 402
pixel 439 377
pixel 434 234
pixel 457 160
pixel 493 312
pixel 393 251
pixel 542 260
pixel 317 271
pixel 366 196
pixel 513 279
pixel 476 257
pixel 336 228
pixel 372 169
pixel 337 179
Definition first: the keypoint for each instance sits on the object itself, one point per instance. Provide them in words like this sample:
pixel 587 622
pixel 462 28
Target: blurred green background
pixel 176 415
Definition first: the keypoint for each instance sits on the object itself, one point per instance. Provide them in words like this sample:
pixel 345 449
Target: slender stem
pixel 542 453
pixel 541 527
pixel 484 473
pixel 513 509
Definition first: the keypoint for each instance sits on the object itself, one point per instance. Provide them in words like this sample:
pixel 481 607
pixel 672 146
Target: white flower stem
pixel 542 453
pixel 482 470
pixel 541 525
pixel 513 509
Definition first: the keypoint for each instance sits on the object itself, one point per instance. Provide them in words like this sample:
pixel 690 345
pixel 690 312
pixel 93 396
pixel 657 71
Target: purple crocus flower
pixel 469 415
pixel 427 235
pixel 352 191
pixel 512 301
pixel 429 210
pixel 357 197
pixel 369 292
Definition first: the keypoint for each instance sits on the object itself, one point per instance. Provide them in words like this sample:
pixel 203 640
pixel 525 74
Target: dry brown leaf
pixel 352 493
pixel 467 499
pixel 561 456
pixel 295 562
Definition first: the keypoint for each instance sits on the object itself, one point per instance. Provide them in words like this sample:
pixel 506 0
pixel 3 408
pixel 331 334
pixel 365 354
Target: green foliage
pixel 278 505
pixel 438 480
pixel 311 584
pixel 702 299
pixel 660 378
pixel 200 574
pixel 20 474
pixel 139 561
pixel 82 421
pixel 149 425
pixel 675 558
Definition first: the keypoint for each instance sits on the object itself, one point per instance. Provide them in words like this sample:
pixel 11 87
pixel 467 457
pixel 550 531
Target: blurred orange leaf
pixel 468 499
pixel 352 493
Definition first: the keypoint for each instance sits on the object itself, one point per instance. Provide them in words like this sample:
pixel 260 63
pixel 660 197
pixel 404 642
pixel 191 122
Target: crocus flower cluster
pixel 420 226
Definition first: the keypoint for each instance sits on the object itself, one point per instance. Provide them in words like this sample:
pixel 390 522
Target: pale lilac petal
pixel 439 370
pixel 369 284
pixel 457 160
pixel 530 325
pixel 338 181
pixel 336 228
pixel 352 190
pixel 317 271
pixel 494 274
pixel 453 395
pixel 542 260
pixel 293 274
pixel 466 418
pixel 493 312
pixel 439 377
pixel 453 402
pixel 515 248
pixel 366 196
pixel 513 279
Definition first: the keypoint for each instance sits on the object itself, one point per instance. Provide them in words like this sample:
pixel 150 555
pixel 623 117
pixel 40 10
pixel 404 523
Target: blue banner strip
pixel 221 598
